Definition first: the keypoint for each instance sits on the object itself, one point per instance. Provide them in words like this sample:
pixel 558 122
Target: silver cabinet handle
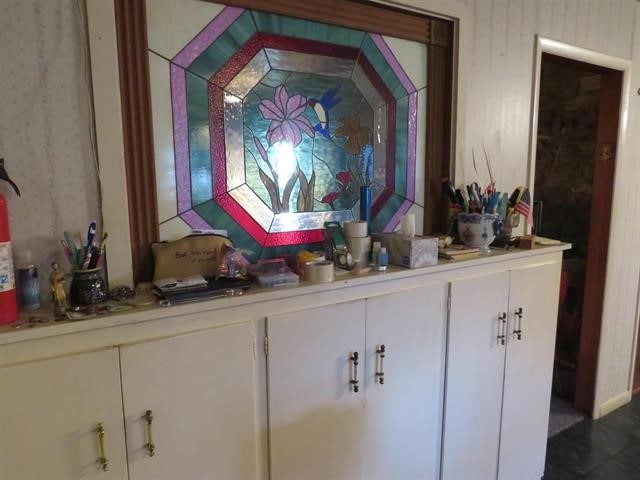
pixel 380 354
pixel 148 418
pixel 354 372
pixel 519 313
pixel 502 328
pixel 102 459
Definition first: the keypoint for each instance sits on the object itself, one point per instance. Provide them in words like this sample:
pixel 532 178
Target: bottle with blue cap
pixel 382 259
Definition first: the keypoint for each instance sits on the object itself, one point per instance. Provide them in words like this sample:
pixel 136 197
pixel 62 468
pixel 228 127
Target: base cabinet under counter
pixel 189 406
pixel 61 419
pixel 499 369
pixel 355 389
pixel 452 381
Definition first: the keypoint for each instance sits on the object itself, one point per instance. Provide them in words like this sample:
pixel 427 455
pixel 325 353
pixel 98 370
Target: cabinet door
pixel 49 413
pixel 475 368
pixel 403 414
pixel 529 366
pixel 200 390
pixel 315 416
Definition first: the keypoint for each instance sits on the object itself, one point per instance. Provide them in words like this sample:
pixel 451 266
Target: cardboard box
pixel 414 252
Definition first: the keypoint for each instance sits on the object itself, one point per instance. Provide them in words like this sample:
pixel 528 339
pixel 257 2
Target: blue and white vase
pixel 478 230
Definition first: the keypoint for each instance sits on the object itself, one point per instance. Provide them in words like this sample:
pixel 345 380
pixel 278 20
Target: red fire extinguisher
pixel 8 297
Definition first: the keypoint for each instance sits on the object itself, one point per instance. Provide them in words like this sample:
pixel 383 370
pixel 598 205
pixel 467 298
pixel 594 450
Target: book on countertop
pixel 458 252
pixel 181 284
pixel 546 241
pixel 192 289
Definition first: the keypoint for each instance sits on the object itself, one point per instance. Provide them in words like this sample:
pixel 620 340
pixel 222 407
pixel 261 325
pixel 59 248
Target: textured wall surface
pixel 500 71
pixel 498 85
pixel 44 127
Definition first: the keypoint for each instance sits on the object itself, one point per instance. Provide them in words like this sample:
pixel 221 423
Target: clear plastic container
pixel 278 280
pixel 374 253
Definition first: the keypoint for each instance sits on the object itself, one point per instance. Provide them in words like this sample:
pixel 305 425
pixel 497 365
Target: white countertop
pixel 22 331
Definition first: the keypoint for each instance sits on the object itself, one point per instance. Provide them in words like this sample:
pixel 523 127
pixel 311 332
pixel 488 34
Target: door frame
pixel 604 400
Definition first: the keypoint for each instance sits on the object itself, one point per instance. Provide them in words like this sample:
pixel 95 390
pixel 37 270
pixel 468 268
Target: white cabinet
pixel 499 363
pixel 467 399
pixel 315 416
pixel 200 390
pixel 49 416
pixel 528 371
pixel 475 366
pixel 320 426
pixel 403 415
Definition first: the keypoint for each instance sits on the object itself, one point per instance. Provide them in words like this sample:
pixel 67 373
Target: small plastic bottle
pixel 374 253
pixel 382 260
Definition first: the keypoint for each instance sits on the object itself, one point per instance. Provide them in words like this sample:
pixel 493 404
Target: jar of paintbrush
pixel 87 283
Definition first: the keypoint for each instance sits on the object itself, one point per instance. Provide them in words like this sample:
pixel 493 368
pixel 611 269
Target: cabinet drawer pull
pixel 380 354
pixel 519 313
pixel 102 459
pixel 354 372
pixel 151 448
pixel 502 328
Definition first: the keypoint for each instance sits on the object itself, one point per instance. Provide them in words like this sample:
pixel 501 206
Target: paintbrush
pixel 493 182
pixel 473 157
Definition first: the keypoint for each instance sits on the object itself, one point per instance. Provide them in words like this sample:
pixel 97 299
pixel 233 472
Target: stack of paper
pixel 458 252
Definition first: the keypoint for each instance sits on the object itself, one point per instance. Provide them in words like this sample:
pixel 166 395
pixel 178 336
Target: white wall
pixel 44 128
pixel 499 78
pixel 498 113
pixel 497 66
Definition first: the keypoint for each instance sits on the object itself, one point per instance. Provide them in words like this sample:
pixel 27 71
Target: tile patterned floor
pixel 605 449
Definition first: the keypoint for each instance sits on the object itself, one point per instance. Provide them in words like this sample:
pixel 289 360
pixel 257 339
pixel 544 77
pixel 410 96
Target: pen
pixel 91 233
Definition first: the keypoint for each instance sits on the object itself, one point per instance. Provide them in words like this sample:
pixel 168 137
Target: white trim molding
pixel 616 351
pixel 109 137
pixel 613 404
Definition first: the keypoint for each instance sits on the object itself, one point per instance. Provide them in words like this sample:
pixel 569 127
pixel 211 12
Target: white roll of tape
pixel 318 272
pixel 354 229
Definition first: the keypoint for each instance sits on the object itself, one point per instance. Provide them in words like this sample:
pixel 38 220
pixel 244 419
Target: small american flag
pixel 523 205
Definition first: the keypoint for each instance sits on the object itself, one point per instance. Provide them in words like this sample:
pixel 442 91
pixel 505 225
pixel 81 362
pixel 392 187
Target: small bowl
pixel 478 230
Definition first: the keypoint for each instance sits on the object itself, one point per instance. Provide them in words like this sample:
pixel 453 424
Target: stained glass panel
pixel 297 28
pixel 198 124
pixel 277 122
pixel 224 47
pixel 381 65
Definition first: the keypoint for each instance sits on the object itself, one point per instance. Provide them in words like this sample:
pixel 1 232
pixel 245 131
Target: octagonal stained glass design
pixel 266 127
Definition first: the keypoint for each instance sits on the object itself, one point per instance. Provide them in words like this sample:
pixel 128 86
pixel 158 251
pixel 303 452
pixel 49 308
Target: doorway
pixel 636 374
pixel 578 112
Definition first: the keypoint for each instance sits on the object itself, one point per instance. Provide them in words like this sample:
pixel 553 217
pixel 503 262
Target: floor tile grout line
pixel 628 432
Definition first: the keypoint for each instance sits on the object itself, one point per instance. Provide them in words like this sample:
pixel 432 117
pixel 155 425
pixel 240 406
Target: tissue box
pixel 410 252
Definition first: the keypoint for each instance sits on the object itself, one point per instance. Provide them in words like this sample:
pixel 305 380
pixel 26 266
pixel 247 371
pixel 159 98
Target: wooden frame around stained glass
pixel 437 34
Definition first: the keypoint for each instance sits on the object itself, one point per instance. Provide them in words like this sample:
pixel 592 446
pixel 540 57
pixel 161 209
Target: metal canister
pixel 29 287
